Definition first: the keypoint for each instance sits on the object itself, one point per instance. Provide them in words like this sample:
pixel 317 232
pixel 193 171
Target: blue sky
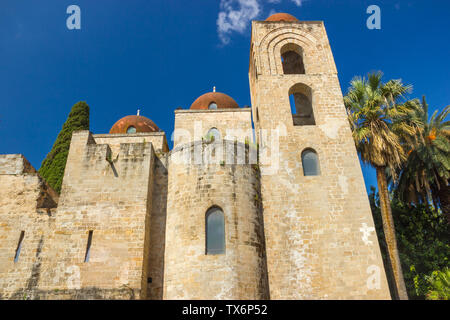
pixel 159 55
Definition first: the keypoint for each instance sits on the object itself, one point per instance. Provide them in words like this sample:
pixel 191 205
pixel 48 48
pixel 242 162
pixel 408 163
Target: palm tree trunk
pixel 389 233
pixel 444 199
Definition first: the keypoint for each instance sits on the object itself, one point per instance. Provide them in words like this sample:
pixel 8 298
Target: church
pixel 260 202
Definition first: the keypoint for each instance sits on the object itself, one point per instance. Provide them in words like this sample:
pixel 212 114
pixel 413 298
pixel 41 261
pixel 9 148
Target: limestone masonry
pixel 261 202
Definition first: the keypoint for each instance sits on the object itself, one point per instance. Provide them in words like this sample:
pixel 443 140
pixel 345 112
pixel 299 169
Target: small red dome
pixel 139 123
pixel 281 17
pixel 221 100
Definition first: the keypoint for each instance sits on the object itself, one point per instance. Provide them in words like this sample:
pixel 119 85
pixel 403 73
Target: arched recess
pixel 292 59
pixel 269 49
pixel 214 231
pixel 310 162
pixel 276 44
pixel 301 101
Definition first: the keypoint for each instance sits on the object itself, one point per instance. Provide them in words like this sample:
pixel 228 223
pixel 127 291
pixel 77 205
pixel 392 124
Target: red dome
pixel 140 123
pixel 222 101
pixel 281 17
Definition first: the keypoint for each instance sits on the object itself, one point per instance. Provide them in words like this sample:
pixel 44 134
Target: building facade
pixel 261 202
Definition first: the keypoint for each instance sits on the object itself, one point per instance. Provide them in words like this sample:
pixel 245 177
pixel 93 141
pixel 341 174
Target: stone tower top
pixel 281 17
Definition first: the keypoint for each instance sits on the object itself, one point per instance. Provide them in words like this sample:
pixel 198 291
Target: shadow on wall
pixel 158 230
pixel 33 280
pixel 262 251
pixel 30 292
pixel 90 293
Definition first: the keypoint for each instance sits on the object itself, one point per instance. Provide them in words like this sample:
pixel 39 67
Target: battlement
pixel 16 170
pixel 15 164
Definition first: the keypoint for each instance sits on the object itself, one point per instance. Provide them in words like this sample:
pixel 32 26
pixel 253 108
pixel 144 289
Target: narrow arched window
pixel 212 106
pixel 88 246
pixel 301 101
pixel 292 59
pixel 310 163
pixel 19 246
pixel 213 135
pixel 215 231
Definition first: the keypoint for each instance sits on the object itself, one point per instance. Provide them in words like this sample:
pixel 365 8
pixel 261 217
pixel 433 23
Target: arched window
pixel 215 231
pixel 300 98
pixel 292 59
pixel 310 163
pixel 212 106
pixel 131 129
pixel 213 135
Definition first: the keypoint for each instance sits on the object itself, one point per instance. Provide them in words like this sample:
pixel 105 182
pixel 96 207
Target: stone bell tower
pixel 319 232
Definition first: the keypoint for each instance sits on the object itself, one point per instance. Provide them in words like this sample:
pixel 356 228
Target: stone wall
pixel 157 226
pixel 15 164
pixel 190 273
pixel 110 196
pixel 157 139
pixel 158 229
pixel 193 125
pixel 27 204
pixel 320 237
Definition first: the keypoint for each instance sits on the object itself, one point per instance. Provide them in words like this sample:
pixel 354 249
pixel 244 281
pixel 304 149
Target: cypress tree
pixel 52 168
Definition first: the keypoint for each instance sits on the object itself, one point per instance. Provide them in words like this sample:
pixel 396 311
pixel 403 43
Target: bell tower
pixel 319 231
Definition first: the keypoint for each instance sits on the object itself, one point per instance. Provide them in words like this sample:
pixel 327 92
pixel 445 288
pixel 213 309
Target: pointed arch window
pixel 215 231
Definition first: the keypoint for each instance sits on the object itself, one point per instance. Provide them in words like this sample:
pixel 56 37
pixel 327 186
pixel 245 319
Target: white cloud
pixel 272 11
pixel 297 2
pixel 236 15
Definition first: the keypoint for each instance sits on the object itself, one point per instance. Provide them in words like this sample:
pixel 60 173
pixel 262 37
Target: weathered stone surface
pixel 193 125
pixel 103 191
pixel 315 247
pixel 27 204
pixel 190 273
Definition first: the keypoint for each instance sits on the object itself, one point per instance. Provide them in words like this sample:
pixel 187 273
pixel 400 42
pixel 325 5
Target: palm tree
pixel 426 172
pixel 377 120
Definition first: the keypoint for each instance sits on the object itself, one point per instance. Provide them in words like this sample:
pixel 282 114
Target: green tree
pixel 377 120
pixel 425 174
pixel 52 168
pixel 423 242
pixel 439 288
